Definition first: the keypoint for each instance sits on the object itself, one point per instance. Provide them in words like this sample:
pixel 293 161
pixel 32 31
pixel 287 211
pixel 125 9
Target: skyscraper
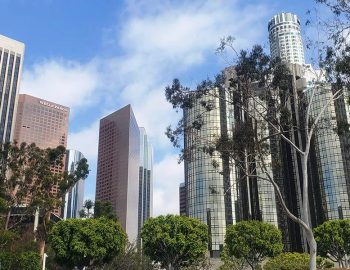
pixel 11 62
pixel 41 122
pixel 182 200
pixel 285 38
pixel 74 198
pixel 118 167
pixel 328 165
pixel 145 179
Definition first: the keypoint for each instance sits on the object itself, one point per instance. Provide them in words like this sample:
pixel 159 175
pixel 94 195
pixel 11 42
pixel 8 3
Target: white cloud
pixel 168 174
pixel 158 40
pixel 86 141
pixel 65 82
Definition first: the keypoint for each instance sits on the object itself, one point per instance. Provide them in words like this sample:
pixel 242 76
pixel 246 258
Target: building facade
pixel 74 198
pixel 182 200
pixel 41 122
pixel 11 62
pixel 145 179
pixel 118 162
pixel 285 38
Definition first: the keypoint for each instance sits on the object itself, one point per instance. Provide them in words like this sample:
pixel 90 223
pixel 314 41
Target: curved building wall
pixel 285 38
pixel 206 192
pixel 332 167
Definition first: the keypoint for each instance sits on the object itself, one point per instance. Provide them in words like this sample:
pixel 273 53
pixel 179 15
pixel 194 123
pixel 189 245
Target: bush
pixel 295 261
pixel 29 261
pixel 7 260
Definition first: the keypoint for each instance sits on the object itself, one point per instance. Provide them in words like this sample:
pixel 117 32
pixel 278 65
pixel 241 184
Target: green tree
pixel 253 241
pixel 131 259
pixel 26 171
pixel 230 262
pixel 104 209
pixel 174 241
pixel 88 242
pixel 333 241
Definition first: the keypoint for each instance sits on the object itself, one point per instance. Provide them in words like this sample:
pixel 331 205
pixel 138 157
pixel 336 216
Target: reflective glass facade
pixel 118 167
pixel 11 62
pixel 74 199
pixel 211 196
pixel 145 179
pixel 331 151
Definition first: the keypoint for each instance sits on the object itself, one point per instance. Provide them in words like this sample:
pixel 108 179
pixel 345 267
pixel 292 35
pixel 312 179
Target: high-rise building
pixel 74 198
pixel 328 165
pixel 41 122
pixel 221 194
pixel 285 38
pixel 118 167
pixel 211 195
pixel 145 179
pixel 11 62
pixel 182 200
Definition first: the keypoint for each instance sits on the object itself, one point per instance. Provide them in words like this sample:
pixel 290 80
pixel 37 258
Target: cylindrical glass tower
pixel 285 38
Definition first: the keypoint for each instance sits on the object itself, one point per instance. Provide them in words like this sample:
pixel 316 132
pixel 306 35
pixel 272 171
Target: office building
pixel 328 165
pixel 11 62
pixel 211 195
pixel 182 200
pixel 285 38
pixel 145 179
pixel 41 122
pixel 118 167
pixel 74 198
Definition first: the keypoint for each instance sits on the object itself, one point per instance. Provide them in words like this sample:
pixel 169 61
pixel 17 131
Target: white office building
pixel 11 62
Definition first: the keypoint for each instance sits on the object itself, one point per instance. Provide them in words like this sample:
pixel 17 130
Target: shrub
pixel 295 261
pixel 29 261
pixel 7 259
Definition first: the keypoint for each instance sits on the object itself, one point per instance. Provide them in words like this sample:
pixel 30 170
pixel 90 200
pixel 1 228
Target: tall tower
pixel 285 38
pixel 145 179
pixel 74 199
pixel 11 62
pixel 41 122
pixel 118 167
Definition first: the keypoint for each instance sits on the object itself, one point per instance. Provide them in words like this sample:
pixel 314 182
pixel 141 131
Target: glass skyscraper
pixel 145 179
pixel 11 62
pixel 74 198
pixel 118 167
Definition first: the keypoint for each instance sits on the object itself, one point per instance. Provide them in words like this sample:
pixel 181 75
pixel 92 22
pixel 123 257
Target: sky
pixel 96 56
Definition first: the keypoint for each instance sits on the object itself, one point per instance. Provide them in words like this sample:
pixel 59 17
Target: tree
pixel 86 211
pixel 230 262
pixel 333 241
pixel 253 241
pixel 104 209
pixel 174 241
pixel 131 259
pixel 268 104
pixel 28 172
pixel 88 242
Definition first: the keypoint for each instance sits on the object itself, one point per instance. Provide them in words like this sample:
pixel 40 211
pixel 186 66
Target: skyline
pixel 131 61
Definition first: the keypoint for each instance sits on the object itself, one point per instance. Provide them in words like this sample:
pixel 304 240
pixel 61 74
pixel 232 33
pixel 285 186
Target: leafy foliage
pixel 295 261
pixel 131 259
pixel 253 241
pixel 104 209
pixel 174 240
pixel 333 239
pixel 80 243
pixel 29 260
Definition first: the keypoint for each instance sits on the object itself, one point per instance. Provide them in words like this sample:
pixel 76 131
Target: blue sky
pixel 97 56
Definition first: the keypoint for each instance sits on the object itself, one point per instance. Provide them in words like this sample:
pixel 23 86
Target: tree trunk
pixel 8 216
pixel 42 248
